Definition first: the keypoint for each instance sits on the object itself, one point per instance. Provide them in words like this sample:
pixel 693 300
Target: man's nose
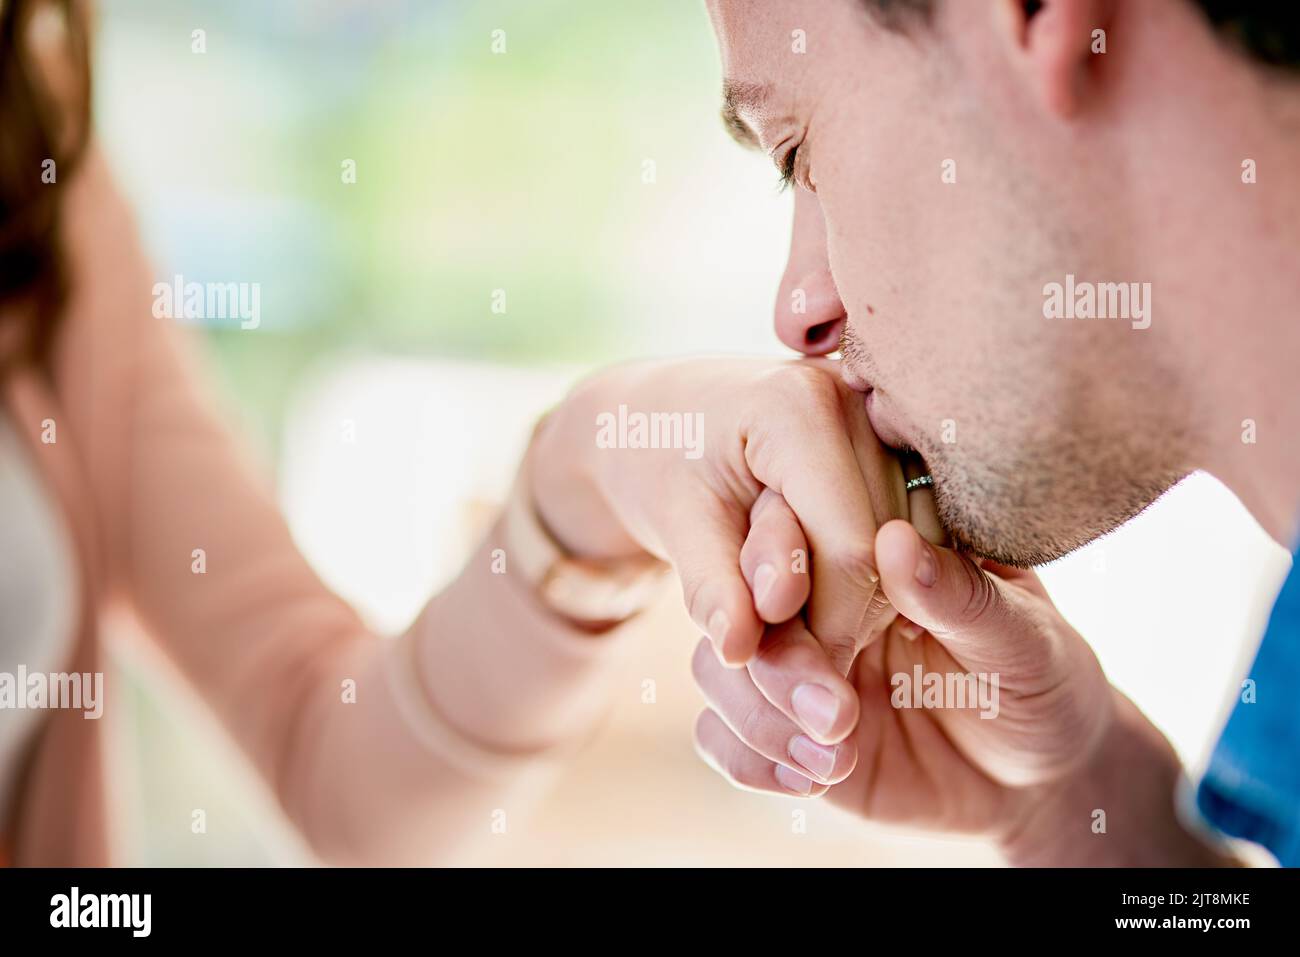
pixel 809 314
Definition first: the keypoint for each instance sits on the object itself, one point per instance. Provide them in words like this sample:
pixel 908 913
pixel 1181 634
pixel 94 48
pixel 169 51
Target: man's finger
pixel 945 593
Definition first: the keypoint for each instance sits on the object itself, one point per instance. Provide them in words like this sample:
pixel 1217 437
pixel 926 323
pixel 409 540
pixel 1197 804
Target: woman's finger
pixel 757 722
pixel 775 559
pixel 793 671
pixel 704 547
pixel 745 767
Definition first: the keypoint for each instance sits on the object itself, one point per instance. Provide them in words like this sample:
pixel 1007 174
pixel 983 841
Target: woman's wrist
pixel 501 668
pixel 565 482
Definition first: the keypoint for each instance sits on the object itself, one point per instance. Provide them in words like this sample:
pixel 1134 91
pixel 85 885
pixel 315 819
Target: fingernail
pixel 926 569
pixel 816 708
pixel 911 630
pixel 718 626
pixel 817 758
pixel 793 780
pixel 764 579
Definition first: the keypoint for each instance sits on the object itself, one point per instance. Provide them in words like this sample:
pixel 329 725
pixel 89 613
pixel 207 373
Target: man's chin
pixel 1005 533
pixel 974 540
pixel 973 535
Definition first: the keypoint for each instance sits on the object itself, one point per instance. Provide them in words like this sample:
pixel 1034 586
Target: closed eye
pixel 785 166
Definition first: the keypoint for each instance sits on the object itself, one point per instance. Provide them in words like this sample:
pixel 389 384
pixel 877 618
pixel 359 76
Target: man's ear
pixel 1053 41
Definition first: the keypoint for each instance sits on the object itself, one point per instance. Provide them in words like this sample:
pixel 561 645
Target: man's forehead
pixel 749 32
pixel 754 41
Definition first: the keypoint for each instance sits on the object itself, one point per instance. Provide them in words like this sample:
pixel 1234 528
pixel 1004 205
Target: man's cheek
pixel 874 276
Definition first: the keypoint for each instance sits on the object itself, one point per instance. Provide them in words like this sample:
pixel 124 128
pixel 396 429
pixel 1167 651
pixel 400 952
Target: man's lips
pixel 880 423
pixel 852 379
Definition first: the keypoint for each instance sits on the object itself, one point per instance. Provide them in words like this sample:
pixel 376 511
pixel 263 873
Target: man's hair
pixel 1267 30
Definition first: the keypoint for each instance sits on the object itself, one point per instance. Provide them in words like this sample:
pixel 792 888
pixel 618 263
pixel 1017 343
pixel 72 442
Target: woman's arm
pixel 268 646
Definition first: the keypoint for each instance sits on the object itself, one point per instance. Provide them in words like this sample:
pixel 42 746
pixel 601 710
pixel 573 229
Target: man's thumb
pixel 945 593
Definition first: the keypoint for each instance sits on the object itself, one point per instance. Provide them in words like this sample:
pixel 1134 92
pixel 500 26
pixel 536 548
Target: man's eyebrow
pixel 738 96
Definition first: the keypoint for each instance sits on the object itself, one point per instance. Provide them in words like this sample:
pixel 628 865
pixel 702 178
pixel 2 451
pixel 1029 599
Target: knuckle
pixel 750 727
pixel 707 728
pixel 786 663
pixel 776 650
pixel 747 772
pixel 857 563
pixel 702 663
pixel 841 649
pixel 727 761
pixel 802 393
pixel 878 607
pixel 692 593
pixel 698 731
pixel 702 722
pixel 766 501
pixel 801 405
pixel 981 595
pixel 754 548
pixel 804 382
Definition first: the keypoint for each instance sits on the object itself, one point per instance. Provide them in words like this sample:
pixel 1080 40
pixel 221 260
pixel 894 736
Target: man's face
pixel 934 200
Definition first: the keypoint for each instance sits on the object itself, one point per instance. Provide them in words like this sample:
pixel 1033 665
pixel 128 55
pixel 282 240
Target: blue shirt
pixel 1251 788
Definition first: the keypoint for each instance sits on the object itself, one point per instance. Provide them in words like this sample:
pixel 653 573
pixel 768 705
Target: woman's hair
pixel 45 119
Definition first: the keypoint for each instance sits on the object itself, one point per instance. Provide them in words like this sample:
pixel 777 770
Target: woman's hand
pixel 776 508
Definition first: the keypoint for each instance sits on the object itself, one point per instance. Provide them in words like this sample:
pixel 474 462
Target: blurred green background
pixel 523 171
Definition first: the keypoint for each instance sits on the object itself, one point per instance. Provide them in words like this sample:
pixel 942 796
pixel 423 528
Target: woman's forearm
pixel 454 728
